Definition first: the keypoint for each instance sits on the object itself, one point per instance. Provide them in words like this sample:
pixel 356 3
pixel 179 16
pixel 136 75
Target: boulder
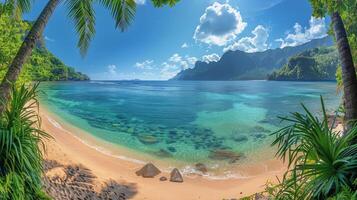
pixel 201 167
pixel 176 176
pixel 148 171
pixel 163 178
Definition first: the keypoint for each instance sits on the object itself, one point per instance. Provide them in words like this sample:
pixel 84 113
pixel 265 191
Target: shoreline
pixel 68 148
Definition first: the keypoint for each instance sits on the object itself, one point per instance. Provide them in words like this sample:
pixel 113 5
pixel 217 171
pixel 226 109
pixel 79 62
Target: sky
pixel 163 41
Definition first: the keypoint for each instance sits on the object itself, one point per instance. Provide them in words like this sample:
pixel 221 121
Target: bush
pixel 21 142
pixel 322 162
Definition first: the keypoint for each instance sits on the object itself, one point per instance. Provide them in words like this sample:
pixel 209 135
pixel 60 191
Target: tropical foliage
pixel 322 162
pixel 21 147
pixel 42 66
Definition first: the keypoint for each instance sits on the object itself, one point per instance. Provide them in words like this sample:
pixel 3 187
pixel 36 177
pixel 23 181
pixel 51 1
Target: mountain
pixel 317 64
pixel 42 65
pixel 239 65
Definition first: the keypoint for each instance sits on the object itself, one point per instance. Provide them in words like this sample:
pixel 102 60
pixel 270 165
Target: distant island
pixel 311 65
pixel 239 65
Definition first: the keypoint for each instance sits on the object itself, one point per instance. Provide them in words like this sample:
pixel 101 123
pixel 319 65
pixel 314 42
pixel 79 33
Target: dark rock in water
pixel 148 171
pixel 201 167
pixel 172 132
pixel 221 154
pixel 260 129
pixel 163 153
pixel 240 138
pixel 148 139
pixel 163 178
pixel 171 149
pixel 259 136
pixel 176 176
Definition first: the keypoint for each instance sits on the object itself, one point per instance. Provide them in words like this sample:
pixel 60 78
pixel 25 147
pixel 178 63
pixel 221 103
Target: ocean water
pixel 215 123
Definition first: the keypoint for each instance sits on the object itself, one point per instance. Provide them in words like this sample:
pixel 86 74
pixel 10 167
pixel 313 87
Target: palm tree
pixel 82 13
pixel 334 7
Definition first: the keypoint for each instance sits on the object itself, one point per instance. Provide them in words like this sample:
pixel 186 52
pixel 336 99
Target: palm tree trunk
pixel 348 71
pixel 24 52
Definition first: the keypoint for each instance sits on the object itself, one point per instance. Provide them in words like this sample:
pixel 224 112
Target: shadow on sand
pixel 74 182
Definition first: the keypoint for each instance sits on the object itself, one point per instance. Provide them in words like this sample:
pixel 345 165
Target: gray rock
pixel 201 167
pixel 163 178
pixel 148 171
pixel 176 176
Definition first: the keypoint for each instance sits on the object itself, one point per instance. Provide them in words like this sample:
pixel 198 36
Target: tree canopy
pixel 43 65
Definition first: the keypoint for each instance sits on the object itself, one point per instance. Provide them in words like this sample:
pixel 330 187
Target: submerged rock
pixel 163 153
pixel 201 167
pixel 171 149
pixel 148 171
pixel 176 176
pixel 259 136
pixel 240 138
pixel 148 139
pixel 260 129
pixel 221 154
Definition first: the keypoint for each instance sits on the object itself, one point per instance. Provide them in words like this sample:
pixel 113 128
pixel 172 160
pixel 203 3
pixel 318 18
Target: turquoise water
pixel 185 121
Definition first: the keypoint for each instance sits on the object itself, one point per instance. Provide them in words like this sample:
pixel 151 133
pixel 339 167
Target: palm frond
pixel 160 3
pixel 21 140
pixel 123 11
pixel 321 162
pixel 83 16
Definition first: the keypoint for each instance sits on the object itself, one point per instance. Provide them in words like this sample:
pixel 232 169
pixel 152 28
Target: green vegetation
pixel 312 65
pixel 343 18
pixel 322 163
pixel 42 66
pixel 20 147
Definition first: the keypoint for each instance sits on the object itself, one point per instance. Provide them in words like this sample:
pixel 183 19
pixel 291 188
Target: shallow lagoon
pixel 216 123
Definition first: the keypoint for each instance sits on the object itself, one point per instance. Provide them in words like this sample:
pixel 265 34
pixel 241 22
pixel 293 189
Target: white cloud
pixel 184 45
pixel 252 44
pixel 219 24
pixel 112 69
pixel 210 58
pixel 175 64
pixel 140 2
pixel 317 29
pixel 49 39
pixel 146 65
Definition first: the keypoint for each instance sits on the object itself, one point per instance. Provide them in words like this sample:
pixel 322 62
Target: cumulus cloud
pixel 146 65
pixel 258 42
pixel 220 24
pixel 175 64
pixel 184 45
pixel 112 70
pixel 140 2
pixel 210 58
pixel 317 29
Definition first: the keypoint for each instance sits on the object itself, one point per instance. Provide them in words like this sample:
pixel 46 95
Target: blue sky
pixel 163 41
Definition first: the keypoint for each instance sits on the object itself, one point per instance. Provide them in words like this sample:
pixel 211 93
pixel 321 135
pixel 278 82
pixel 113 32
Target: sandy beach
pixel 67 149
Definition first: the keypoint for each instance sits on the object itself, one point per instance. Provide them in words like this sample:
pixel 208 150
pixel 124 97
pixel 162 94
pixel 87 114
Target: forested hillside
pixel 42 66
pixel 312 65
